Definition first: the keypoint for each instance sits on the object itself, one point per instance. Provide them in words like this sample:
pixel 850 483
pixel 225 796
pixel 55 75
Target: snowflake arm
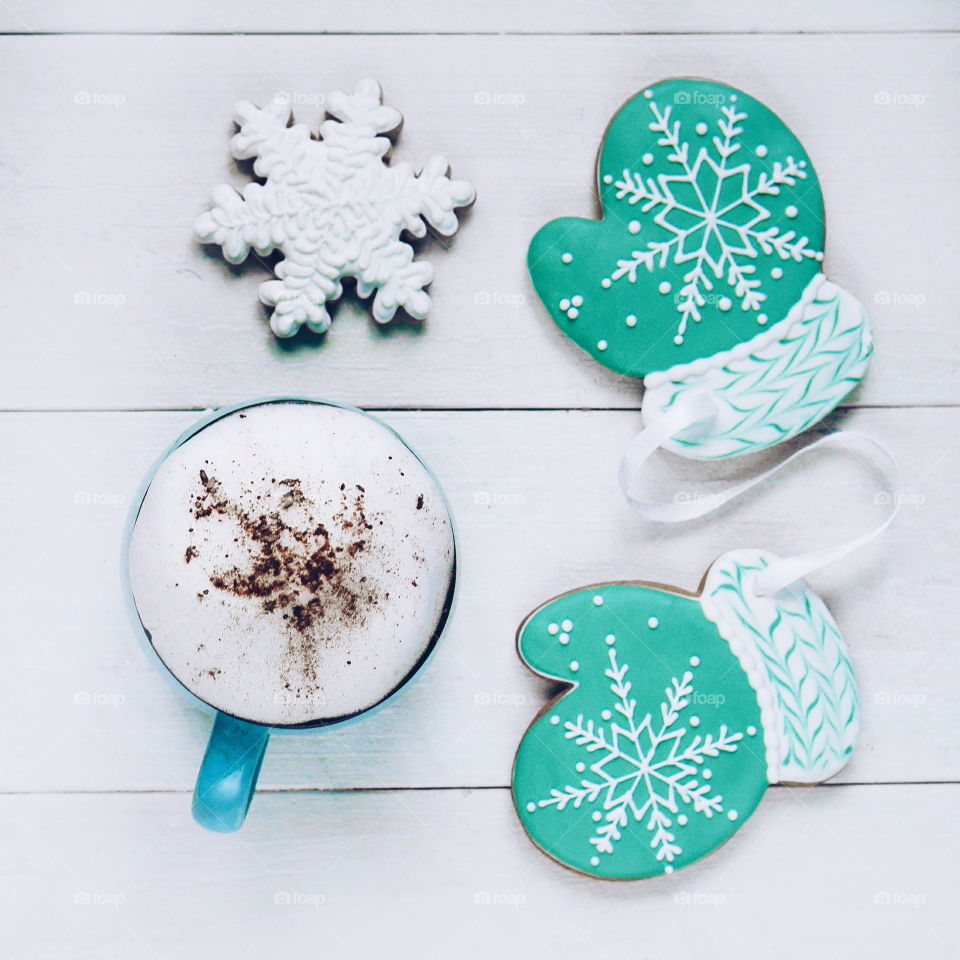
pixel 620 687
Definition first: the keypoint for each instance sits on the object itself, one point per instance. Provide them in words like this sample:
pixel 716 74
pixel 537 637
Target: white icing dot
pixel 606 714
pixel 554 719
pixel 668 869
pixel 694 661
pixel 653 623
pixel 631 320
pixel 594 861
pixel 791 211
pixel 634 226
pixel 802 163
pixel 553 629
pixel 531 807
pixel 581 767
pixel 601 344
pixel 682 819
pixel 751 731
pixel 648 93
pixel 664 286
pixel 606 283
pixel 611 639
pixel 577 301
pixel 762 319
pixel 598 601
pixel 564 304
pixel 596 816
pixel 761 151
pixel 647 158
pixel 701 128
pixel 732 814
pixel 694 721
pixel 573 313
pixel 724 303
pixel 819 257
pixel 678 339
pixel 564 638
pixel 776 273
pixel 574 665
pixel 567 625
pixel 607 178
pixel 707 774
pixel 566 257
pixel 732 98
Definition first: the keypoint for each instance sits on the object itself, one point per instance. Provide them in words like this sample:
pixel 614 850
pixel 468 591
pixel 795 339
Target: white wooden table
pixel 396 837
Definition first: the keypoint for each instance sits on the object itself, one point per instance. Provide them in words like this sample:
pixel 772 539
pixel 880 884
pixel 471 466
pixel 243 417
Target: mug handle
pixel 228 774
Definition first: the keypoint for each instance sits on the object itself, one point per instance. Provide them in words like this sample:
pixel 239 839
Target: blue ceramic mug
pixel 292 563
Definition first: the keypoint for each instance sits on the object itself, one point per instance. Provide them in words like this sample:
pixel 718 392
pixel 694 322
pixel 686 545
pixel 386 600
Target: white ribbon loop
pixel 699 408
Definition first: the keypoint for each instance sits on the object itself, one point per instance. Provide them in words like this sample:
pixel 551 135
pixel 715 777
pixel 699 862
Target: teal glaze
pixel 228 773
pixel 231 763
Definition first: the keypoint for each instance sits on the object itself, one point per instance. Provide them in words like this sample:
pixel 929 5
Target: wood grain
pixel 495 16
pixel 118 308
pixel 118 117
pixel 824 872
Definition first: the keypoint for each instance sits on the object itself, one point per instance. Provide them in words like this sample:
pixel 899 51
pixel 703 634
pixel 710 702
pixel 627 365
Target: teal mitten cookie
pixel 680 710
pixel 705 271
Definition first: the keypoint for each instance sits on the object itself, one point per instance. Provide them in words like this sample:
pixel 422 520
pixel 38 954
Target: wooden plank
pixel 120 139
pixel 535 499
pixel 497 16
pixel 859 871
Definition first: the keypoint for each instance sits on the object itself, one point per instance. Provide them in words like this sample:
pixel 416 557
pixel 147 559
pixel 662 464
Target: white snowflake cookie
pixel 334 208
pixel 678 711
pixel 705 274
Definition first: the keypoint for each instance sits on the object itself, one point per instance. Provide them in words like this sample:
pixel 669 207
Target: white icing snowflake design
pixel 647 769
pixel 715 212
pixel 334 208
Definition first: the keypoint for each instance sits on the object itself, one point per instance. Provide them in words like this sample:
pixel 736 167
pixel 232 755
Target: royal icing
pixel 773 387
pixel 680 711
pixel 712 228
pixel 334 209
pixel 704 272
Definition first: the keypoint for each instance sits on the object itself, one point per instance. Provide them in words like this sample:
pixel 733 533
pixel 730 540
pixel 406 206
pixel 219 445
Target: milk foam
pixel 292 563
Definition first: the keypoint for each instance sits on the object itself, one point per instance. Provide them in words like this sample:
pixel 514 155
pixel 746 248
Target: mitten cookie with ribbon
pixel 705 274
pixel 680 710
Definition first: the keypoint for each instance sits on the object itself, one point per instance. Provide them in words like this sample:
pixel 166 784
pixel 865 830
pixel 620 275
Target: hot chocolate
pixel 292 563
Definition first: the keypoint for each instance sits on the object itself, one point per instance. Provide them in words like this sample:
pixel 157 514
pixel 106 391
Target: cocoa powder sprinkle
pixel 300 568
